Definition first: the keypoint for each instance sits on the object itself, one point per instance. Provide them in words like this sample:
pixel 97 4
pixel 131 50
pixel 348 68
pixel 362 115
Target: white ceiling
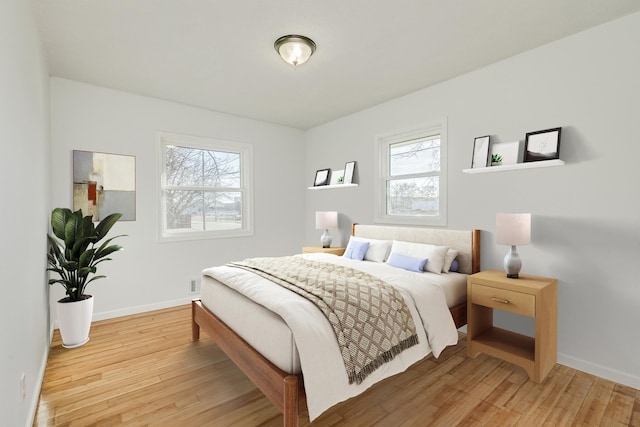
pixel 219 55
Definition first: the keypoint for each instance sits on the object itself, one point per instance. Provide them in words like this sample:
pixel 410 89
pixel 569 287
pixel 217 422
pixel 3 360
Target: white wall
pixel 24 173
pixel 149 274
pixel 585 215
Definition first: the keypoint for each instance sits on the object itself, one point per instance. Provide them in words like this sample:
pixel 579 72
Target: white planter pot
pixel 74 321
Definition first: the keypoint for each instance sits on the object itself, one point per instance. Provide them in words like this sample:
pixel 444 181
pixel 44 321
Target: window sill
pixel 203 235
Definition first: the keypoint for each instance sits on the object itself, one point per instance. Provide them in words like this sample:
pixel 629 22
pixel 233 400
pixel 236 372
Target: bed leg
pixel 290 401
pixel 195 328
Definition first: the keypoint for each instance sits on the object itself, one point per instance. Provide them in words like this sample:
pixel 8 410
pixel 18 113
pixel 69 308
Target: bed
pixel 276 369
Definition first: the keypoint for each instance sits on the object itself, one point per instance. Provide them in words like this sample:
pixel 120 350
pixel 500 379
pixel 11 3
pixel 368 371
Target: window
pixel 412 185
pixel 204 188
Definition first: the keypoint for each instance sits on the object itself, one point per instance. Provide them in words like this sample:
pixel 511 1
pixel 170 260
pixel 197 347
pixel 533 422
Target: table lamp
pixel 513 229
pixel 326 220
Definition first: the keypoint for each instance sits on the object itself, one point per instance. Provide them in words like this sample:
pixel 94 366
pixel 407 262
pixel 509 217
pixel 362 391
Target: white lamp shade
pixel 513 229
pixel 326 220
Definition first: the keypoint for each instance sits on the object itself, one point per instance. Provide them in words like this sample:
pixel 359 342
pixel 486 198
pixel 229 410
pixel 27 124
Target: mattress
pixel 264 330
pixel 267 332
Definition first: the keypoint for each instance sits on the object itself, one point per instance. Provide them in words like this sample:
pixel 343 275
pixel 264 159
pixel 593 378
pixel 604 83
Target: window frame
pixel 382 148
pixel 163 139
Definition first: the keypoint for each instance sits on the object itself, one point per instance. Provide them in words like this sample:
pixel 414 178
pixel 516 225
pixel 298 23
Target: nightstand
pixel 531 296
pixel 312 249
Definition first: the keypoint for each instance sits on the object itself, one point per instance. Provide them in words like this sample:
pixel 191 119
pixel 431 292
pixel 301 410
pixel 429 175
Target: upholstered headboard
pixel 466 242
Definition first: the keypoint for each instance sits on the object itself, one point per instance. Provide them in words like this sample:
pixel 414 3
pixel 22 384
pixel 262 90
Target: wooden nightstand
pixel 312 249
pixel 531 296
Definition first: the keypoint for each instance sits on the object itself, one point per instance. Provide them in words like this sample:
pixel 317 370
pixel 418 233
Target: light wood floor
pixel 144 370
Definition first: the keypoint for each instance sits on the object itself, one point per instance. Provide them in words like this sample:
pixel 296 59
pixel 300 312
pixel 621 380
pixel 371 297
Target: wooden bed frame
pixel 284 390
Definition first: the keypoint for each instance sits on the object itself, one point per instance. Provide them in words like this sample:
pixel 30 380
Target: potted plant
pixel 496 159
pixel 74 254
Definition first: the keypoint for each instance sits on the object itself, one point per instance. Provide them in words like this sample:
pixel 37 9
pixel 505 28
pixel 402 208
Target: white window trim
pixel 246 185
pixel 382 161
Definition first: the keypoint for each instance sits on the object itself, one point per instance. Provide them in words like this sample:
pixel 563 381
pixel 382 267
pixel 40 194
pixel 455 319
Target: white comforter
pixel 325 378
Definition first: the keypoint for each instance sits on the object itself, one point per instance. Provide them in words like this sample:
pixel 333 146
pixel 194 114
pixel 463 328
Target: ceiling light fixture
pixel 295 49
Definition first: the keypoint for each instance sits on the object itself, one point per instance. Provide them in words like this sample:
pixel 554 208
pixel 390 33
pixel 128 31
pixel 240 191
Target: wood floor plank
pixel 635 416
pixel 143 370
pixel 619 410
pixel 480 415
pixel 595 403
pixel 556 384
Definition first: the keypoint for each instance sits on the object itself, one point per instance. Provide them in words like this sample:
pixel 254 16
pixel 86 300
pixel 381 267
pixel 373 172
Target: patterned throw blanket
pixel 369 317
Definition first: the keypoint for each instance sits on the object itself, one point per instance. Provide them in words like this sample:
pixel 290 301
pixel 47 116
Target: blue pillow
pixel 454 266
pixel 356 250
pixel 407 262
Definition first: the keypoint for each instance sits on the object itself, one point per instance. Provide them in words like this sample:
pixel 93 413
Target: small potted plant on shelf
pixel 74 254
pixel 496 159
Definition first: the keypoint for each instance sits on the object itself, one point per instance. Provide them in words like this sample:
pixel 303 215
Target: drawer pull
pixel 504 301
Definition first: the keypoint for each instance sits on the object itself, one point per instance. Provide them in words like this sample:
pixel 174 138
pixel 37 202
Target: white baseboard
pixel 599 371
pixel 142 308
pixel 137 309
pixel 33 405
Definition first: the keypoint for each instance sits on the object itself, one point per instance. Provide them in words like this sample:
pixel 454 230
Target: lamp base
pixel 512 263
pixel 325 240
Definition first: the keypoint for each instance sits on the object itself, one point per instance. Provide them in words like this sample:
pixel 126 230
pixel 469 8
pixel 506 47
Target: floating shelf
pixel 326 187
pixel 528 165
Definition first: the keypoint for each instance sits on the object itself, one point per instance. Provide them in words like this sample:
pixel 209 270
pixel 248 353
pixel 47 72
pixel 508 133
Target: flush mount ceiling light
pixel 295 49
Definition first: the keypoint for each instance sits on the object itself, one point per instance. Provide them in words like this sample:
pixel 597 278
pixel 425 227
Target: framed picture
pixel 349 167
pixel 322 177
pixel 336 177
pixel 480 157
pixel 104 183
pixel 542 145
pixel 504 153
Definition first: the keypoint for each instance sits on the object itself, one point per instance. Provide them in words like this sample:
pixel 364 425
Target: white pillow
pixel 448 259
pixel 378 250
pixel 434 254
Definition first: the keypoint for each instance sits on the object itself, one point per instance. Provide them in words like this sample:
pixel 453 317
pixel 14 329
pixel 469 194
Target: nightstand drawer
pixel 503 299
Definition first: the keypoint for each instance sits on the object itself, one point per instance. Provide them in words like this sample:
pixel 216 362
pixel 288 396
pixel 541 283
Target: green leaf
pixel 80 247
pixel 69 265
pixel 86 258
pixel 107 251
pixel 105 225
pixel 106 242
pixel 101 259
pixel 95 278
pixel 73 230
pixel 59 217
pixel 84 271
pixel 54 247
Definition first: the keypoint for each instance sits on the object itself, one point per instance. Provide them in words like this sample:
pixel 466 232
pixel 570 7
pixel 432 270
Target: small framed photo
pixel 504 153
pixel 322 177
pixel 349 167
pixel 336 177
pixel 480 157
pixel 542 145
